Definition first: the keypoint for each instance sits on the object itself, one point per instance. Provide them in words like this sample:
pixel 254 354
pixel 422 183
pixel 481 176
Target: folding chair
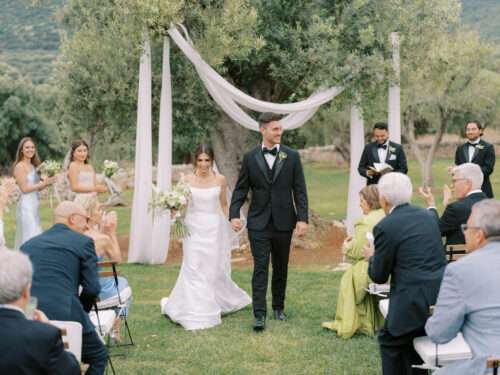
pixel 493 363
pixel 118 302
pixel 455 252
pixel 71 333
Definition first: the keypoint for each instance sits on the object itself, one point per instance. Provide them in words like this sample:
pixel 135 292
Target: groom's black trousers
pixel 275 245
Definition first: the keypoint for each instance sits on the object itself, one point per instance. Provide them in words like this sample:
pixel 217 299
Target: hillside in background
pixel 29 38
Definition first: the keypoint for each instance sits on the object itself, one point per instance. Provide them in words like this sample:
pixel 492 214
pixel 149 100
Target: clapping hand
pixel 426 193
pixel 368 251
pixel 110 222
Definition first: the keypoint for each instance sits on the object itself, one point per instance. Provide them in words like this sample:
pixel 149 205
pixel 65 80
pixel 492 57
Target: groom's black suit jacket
pixel 280 193
pixel 396 158
pixel 484 156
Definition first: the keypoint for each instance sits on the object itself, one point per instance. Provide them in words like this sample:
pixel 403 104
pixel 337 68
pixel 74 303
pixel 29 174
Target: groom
pixel 278 206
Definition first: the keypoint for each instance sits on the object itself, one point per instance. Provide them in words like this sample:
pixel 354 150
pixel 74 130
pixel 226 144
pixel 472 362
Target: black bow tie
pixel 472 144
pixel 273 151
pixel 384 146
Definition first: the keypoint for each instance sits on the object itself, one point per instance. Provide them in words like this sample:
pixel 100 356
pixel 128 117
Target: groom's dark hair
pixel 267 117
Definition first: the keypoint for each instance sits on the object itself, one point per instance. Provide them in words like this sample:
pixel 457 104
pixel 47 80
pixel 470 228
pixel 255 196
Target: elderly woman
pixel 357 310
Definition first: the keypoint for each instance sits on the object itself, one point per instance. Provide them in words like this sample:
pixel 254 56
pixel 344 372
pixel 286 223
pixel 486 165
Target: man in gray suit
pixel 469 301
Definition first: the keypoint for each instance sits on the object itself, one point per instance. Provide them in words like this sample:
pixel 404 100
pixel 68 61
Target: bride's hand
pixel 173 213
pixel 236 224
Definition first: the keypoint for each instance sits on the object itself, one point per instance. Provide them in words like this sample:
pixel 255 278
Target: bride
pixel 204 289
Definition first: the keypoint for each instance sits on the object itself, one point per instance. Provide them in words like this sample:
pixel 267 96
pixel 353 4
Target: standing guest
pixel 381 151
pixel 27 346
pixel 356 309
pixel 408 249
pixel 63 259
pixel 81 174
pixel 479 152
pixel 28 180
pixel 467 180
pixel 468 300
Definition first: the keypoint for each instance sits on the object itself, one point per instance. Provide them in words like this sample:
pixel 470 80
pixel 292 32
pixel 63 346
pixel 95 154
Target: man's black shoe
pixel 259 324
pixel 280 315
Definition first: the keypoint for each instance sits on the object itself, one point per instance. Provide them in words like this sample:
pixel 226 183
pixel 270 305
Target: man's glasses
pixel 465 227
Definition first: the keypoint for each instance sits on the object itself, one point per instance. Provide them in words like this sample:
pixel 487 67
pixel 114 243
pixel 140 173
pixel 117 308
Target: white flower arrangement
pixel 50 167
pixel 109 168
pixel 168 200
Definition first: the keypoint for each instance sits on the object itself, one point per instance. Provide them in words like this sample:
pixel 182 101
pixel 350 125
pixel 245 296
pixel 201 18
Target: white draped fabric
pixel 140 244
pixel 148 240
pixel 356 181
pixel 394 113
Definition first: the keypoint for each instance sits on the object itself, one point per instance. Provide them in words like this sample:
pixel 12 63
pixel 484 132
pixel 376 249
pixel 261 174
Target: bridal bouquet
pixel 110 168
pixel 50 167
pixel 175 200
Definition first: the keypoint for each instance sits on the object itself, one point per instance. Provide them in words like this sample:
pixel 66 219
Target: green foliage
pixel 23 112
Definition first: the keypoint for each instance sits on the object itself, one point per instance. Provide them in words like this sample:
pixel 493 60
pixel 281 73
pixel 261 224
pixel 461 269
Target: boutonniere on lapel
pixel 392 149
pixel 282 155
pixel 479 147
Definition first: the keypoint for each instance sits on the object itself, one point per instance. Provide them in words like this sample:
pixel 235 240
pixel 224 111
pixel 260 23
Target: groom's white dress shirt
pixel 270 159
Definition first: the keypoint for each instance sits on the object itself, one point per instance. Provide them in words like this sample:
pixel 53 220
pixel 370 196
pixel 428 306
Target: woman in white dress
pixel 81 174
pixel 29 182
pixel 204 289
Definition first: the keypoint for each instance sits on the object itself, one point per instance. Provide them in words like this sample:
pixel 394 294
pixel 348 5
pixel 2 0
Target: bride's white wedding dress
pixel 204 289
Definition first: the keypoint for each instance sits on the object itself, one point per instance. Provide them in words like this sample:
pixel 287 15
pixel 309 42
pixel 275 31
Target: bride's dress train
pixel 204 289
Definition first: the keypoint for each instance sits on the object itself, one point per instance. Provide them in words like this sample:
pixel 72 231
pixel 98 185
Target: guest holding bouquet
pixel 29 182
pixel 357 310
pixel 81 174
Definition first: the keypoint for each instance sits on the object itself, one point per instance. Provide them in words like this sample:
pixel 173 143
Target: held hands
pixel 371 172
pixel 427 195
pixel 236 224
pixel 300 228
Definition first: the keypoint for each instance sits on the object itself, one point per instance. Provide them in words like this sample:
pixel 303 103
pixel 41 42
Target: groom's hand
pixel 300 228
pixel 236 224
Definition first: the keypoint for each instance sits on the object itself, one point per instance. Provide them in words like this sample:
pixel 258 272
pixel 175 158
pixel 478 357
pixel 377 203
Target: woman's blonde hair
pixel 370 195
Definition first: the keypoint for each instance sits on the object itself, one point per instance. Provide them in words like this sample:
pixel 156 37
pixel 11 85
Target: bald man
pixel 64 258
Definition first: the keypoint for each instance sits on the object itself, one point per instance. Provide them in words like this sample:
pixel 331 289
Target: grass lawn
pixel 299 346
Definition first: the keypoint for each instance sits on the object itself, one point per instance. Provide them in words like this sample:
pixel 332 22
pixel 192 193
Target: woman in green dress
pixel 357 311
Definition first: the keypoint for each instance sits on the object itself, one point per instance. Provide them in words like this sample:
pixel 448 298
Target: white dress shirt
pixel 382 153
pixel 270 159
pixel 472 149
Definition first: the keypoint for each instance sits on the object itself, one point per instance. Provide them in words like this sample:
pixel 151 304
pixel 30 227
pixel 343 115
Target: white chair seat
pixel 73 336
pixel 107 320
pixel 383 306
pixel 108 303
pixel 455 350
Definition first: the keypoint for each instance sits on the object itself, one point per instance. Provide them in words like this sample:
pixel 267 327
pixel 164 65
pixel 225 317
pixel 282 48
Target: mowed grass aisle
pixel 299 346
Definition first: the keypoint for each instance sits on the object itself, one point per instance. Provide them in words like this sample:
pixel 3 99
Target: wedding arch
pixel 149 239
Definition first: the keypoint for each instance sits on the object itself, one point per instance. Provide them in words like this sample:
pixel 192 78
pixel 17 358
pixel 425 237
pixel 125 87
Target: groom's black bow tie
pixel 273 151
pixel 384 146
pixel 472 144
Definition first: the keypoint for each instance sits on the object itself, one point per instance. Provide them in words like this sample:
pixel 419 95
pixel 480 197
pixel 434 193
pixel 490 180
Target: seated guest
pixel 467 180
pixel 63 259
pixel 27 346
pixel 356 309
pixel 102 229
pixel 408 249
pixel 6 189
pixel 468 300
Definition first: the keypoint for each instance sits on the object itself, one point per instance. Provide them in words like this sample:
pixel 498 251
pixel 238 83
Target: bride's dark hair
pixel 203 149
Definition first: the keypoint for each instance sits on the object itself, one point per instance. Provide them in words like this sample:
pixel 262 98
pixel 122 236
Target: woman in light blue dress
pixel 30 184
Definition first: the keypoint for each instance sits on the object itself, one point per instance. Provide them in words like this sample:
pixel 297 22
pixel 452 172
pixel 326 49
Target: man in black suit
pixel 273 172
pixel 381 151
pixel 63 259
pixel 479 152
pixel 408 249
pixel 467 180
pixel 31 347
